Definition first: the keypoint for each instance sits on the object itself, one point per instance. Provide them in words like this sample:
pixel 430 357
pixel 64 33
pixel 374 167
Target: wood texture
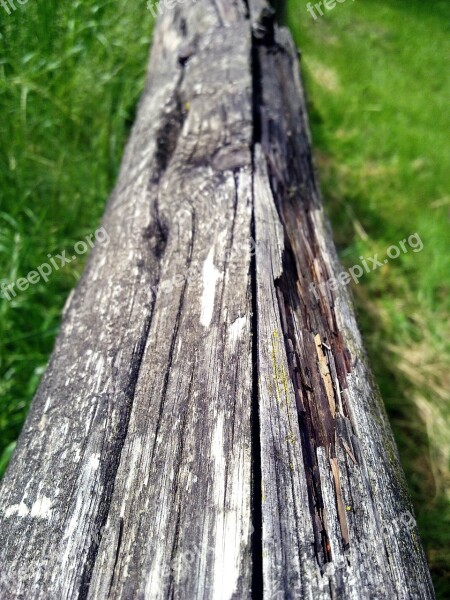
pixel 207 427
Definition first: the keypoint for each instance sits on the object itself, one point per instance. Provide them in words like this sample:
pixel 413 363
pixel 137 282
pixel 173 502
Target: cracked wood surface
pixel 208 427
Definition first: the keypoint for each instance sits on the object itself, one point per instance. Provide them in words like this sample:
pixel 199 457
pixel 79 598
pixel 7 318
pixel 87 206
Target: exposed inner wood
pixel 208 427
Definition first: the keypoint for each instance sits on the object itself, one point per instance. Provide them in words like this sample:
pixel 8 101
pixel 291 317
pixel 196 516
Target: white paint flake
pixel 42 508
pixel 94 462
pixel 21 510
pixel 210 277
pixel 229 522
pixel 237 328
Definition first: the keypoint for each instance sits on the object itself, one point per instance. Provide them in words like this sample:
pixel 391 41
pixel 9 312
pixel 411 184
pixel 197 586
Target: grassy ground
pixel 378 93
pixel 70 76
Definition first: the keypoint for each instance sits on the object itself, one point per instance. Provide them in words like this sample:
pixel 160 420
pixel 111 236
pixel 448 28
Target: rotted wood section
pixel 208 426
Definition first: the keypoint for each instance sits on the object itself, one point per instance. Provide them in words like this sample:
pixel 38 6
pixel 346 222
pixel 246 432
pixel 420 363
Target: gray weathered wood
pixel 207 426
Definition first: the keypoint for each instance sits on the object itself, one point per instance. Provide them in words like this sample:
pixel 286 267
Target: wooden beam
pixel 208 426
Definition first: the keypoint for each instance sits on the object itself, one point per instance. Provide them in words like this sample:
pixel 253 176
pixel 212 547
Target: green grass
pixel 70 76
pixel 378 94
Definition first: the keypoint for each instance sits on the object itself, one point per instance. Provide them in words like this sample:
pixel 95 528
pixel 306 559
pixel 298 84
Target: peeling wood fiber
pixel 207 427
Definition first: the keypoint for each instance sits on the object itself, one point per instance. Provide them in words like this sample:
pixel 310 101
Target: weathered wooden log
pixel 208 426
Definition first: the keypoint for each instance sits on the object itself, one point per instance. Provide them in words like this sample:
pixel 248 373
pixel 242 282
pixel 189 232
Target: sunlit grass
pixel 70 76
